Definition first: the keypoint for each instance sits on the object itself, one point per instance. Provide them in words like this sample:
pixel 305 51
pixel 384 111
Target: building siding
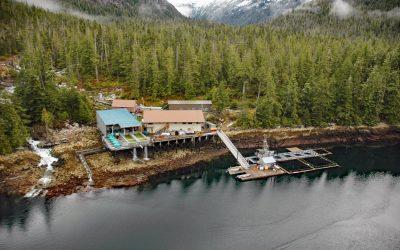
pixel 155 127
pixel 100 125
pixel 204 107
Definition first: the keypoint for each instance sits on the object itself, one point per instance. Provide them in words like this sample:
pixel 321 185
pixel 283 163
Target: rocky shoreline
pixel 117 172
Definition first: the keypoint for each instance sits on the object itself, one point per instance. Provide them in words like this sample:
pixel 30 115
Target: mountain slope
pixel 257 11
pixel 161 9
pixel 352 18
pixel 147 9
pixel 239 12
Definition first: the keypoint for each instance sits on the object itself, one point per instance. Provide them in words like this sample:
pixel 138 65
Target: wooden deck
pixel 294 154
pixel 295 149
pixel 254 173
pixel 172 138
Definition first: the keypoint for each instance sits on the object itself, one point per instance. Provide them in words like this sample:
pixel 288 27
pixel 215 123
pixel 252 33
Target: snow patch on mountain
pixel 236 11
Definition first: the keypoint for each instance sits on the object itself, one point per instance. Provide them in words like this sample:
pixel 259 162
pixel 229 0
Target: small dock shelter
pixel 204 105
pixel 157 121
pixel 116 121
pixel 130 105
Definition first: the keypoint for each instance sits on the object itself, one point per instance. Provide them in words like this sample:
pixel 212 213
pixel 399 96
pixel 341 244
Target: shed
pixel 116 120
pixel 130 105
pixel 268 160
pixel 204 105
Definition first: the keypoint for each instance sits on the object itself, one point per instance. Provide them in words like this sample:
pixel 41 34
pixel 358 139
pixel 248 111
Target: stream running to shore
pixel 47 161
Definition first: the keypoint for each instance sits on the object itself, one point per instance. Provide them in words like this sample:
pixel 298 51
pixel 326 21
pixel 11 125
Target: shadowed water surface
pixel 357 206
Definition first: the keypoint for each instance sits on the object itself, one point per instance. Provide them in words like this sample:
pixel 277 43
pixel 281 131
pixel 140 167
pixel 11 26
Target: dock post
pixel 146 154
pixel 134 153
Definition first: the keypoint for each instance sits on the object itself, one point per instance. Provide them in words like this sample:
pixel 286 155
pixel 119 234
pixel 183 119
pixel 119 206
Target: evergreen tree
pixel 13 132
pixel 220 97
pixel 268 113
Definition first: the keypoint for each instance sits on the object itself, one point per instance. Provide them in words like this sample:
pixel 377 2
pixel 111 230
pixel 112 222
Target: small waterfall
pixel 46 160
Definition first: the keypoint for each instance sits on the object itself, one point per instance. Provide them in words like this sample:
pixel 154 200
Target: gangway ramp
pixel 235 152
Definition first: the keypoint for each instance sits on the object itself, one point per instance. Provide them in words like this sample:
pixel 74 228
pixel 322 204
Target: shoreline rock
pixel 121 172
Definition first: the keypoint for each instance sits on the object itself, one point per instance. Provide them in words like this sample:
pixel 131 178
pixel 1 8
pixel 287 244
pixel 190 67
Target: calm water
pixel 357 206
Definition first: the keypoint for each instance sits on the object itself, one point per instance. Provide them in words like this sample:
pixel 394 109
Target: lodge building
pixel 157 121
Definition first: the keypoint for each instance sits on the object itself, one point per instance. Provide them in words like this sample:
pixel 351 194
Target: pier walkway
pixel 82 157
pixel 235 152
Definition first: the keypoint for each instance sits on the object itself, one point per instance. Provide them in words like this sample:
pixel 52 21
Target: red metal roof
pixel 172 116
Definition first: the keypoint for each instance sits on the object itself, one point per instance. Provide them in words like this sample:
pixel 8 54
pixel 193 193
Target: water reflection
pixel 354 206
pixel 16 212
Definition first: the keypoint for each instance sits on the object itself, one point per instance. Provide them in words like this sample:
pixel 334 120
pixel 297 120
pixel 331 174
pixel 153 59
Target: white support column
pixel 134 153
pixel 146 154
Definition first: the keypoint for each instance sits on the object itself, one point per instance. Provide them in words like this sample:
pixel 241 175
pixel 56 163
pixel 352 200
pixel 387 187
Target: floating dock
pixel 267 163
pixel 294 161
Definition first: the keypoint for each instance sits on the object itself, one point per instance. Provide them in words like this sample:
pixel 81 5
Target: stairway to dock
pixel 82 157
pixel 232 148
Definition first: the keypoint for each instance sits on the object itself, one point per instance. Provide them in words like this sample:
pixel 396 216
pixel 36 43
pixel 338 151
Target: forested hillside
pixel 153 9
pixel 378 4
pixel 107 10
pixel 364 20
pixel 276 75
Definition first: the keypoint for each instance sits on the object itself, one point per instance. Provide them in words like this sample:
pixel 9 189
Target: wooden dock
pixel 254 173
pixel 293 154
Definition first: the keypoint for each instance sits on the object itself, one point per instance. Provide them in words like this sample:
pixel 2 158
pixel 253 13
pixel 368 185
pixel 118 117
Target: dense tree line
pixel 378 5
pixel 276 76
pixel 363 22
pixel 38 93
pixel 13 130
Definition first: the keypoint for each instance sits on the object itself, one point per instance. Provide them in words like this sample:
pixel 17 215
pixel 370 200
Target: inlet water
pixel 356 206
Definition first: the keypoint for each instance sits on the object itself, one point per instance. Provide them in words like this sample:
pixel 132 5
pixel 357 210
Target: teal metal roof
pixel 121 117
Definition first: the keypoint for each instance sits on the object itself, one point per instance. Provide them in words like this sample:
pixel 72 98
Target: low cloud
pixel 56 7
pixel 342 9
pixel 394 13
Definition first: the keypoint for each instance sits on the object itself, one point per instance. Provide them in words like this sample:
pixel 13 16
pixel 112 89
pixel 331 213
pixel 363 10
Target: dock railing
pixel 232 148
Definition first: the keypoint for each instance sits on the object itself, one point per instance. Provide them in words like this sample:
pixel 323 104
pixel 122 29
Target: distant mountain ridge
pixel 242 12
pixel 239 12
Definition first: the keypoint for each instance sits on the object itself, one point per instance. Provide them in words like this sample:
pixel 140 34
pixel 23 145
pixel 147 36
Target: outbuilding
pixel 156 121
pixel 204 105
pixel 267 162
pixel 130 105
pixel 116 121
